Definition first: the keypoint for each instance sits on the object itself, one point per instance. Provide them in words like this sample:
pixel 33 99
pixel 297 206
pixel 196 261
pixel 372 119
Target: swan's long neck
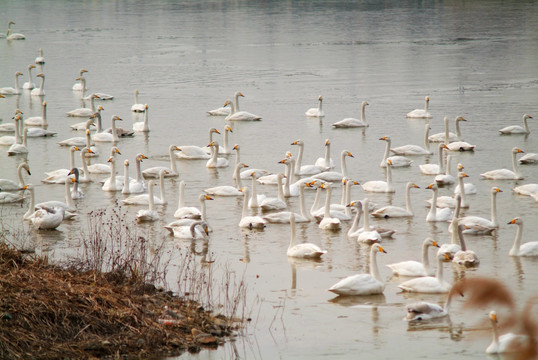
pixel 433 208
pixel 425 259
pixel 68 198
pixel 315 204
pixel 363 117
pixel 29 72
pixel 348 198
pixel 447 131
pixel 138 171
pixel 225 142
pixel 343 163
pixel 439 272
pixel 254 196
pixel 495 336
pixel 408 199
pixel 203 208
pixel 136 96
pixel 113 174
pixel 44 123
pixel 233 109
pixel 448 164
pixel 328 154
pixel 461 239
pixel 494 208
pixel 31 209
pixel 320 103
pixel 25 136
pixel 462 192
pixel 19 174
pixel 366 225
pixel 426 142
pixel 302 206
pixel 515 167
pixel 514 251
pixel 280 190
pixel 85 164
pixel 150 198
pixel 99 125
pixel 16 83
pixel 328 202
pixel 181 200
pixel 344 190
pixel 92 104
pixel 146 119
pixel 356 220
pixel 374 271
pixel 454 223
pixel 293 232
pixel 457 126
pixel 72 158
pixel 114 132
pixel 214 154
pixel 236 98
pixel 299 160
pixel 389 177
pixel 237 176
pixel 525 125
pixel 172 160
pixel 161 185
pixel 18 139
pixel 292 171
pixel 42 85
pixel 245 203
pixel 426 105
pixel 386 155
pixel 441 161
pixel 126 183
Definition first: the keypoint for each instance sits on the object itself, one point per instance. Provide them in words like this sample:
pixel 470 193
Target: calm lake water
pixel 475 59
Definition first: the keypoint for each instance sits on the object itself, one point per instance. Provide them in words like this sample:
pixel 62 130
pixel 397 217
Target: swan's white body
pixel 104 136
pixel 326 161
pixel 415 149
pixel 530 158
pixel 476 225
pixel 76 193
pixel 395 211
pixel 366 234
pixel 9 197
pixel 505 174
pixel 19 147
pixel 379 186
pixel 421 113
pixel 525 249
pixel 149 214
pixel 112 184
pixel 185 212
pixel 154 172
pixel 11 185
pixel 29 85
pixel 303 250
pixel 442 137
pixel 397 160
pixel 143 199
pixel 516 129
pixel 100 168
pixel 249 221
pixel 328 222
pixel 228 190
pixel 334 176
pixel 236 115
pixel 316 112
pixel 192 231
pixel 38 120
pixel 84 112
pixel 78 85
pixel 137 107
pixel 142 126
pixel 226 110
pixel 305 170
pixel 464 257
pixel 193 152
pixel 527 189
pixel 505 343
pixel 272 203
pixel 40 91
pixel 40 60
pixel 283 217
pixel 434 169
pixel 428 284
pixel 447 178
pixel 435 213
pixel 188 222
pixel 13 36
pixel 362 284
pixel 423 310
pixel 415 268
pixel 46 218
pixel 215 161
pixel 68 205
pixel 12 90
pixel 352 122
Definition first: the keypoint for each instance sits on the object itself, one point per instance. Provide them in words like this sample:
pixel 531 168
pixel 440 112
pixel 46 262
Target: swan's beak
pixel 382 250
pixel 416 186
pixel 207 197
pixel 350 154
pixel 351 204
pixel 512 222
pixel 434 243
pixel 429 186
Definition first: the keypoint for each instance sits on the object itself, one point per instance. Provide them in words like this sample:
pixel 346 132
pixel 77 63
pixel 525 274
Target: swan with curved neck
pixel 316 112
pixel 249 221
pixel 215 161
pixel 435 213
pixel 335 175
pixel 458 145
pixel 224 110
pixel 303 250
pixel 415 268
pixel 505 174
pixel 40 91
pixel 428 284
pixel 516 129
pixel 397 161
pixel 328 222
pixel 525 249
pixel 236 115
pixel 506 343
pixel 12 90
pixel 352 122
pixel 143 199
pixel 305 170
pixel 381 186
pixel 10 185
pixel 421 113
pixel 326 161
pixel 467 258
pixel 415 149
pixel 78 85
pixel 149 214
pixel 143 126
pixel 13 36
pixel 154 172
pixel 365 234
pixel 476 225
pixel 434 169
pixel 362 284
pixel 396 211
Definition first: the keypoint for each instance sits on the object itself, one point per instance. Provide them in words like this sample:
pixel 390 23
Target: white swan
pixel 187 212
pixel 228 190
pixel 142 126
pixel 250 221
pixel 38 120
pixel 255 198
pixel 506 343
pixel 449 250
pixel 104 136
pixel 149 214
pixel 447 178
pixel 529 158
pixel 126 188
pixel 415 149
pixel 40 60
pixel 68 206
pixel 84 112
pixel 397 161
pixel 192 231
pixel 391 211
pixel 40 91
pixel 13 36
pixel 316 112
pixel 137 107
pixel 273 203
pixel 143 199
pixel 236 115
pixel 54 175
pixel 336 210
pixel 283 217
pixel 225 110
pixel 20 147
pixel 215 161
pixel 450 201
pixel 505 174
pixel 8 139
pixel 526 189
pixel 476 225
pixel 76 193
pixel 516 129
pixel 326 161
pixel 12 90
pixel 435 213
pixel 10 185
pixel 193 152
pixel 379 186
pixel 428 284
pixel 154 172
pixel 328 222
pixel 365 234
pixel 85 125
pixel 187 222
pixel 441 137
pixel 352 122
pixel 525 249
pixel 303 250
pixel 335 175
pixel 46 218
pixel 100 168
pixel 10 197
pixel 137 185
pixel 434 169
pixel 362 284
pixel 421 113
pixel 29 85
pixel 468 188
pixel 464 257
pixel 78 85
pixel 415 268
pixel 98 95
pixel 423 310
pixel 305 170
pixel 111 183
pixel 246 173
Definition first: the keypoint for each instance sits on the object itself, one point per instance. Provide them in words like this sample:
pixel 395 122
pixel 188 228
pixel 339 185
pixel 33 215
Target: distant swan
pixel 236 115
pixel 78 85
pixel 525 249
pixel 395 211
pixel 250 221
pixel 154 172
pixel 415 268
pixel 40 60
pixel 396 160
pixel 435 213
pixel 13 36
pixel 326 161
pixel 504 174
pixel 415 149
pixel 316 112
pixel 12 90
pixel 142 126
pixel 225 110
pixel 137 107
pixel 516 129
pixel 428 284
pixel 40 90
pixel 352 122
pixel 149 214
pixel 29 85
pixel 421 113
pixel 379 186
pixel 302 250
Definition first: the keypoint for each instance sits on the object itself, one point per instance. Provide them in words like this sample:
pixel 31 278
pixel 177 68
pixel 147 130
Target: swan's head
pixel 140 157
pixel 146 107
pixel 493 316
pixel 11 23
pixel 40 75
pixel 297 142
pixel 116 117
pixel 253 174
pixel 516 221
pixel 356 204
pixel 431 242
pixel 320 98
pixel 26 167
pixel 228 102
pixel 517 151
pixel 460 167
pixel 228 128
pixel 527 116
pixel 213 130
pixel 378 248
pixel 327 142
pixel 126 163
pixel 99 109
pixel 445 147
pixel 385 138
pixel 239 93
pixel 460 118
pixel 2 96
pixel 364 103
pixel 110 159
pixel 86 150
pixel 463 175
pixel 347 153
pixel 427 98
pixel 82 71
pixel 495 190
pixel 432 187
pixel 204 197
pixel 18 73
pixel 389 162
pixel 115 150
pixel 174 148
pixel 31 66
pixel 236 147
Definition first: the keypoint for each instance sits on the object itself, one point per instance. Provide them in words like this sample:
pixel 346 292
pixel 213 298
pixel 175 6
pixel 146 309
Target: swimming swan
pixel 303 250
pixel 516 129
pixel 421 113
pixel 525 249
pixel 352 122
pixel 415 268
pixel 316 112
pixel 505 174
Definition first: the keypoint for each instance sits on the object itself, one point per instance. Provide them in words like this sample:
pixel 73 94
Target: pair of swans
pixel 226 110
pixel 437 214
pixel 421 113
pixel 154 172
pixel 144 199
pixel 182 222
pixel 353 122
pixel 69 208
pixel 283 217
pixel 415 268
pixel 435 169
pixel 396 160
pixel 505 174
pixel 303 250
pixel 428 284
pixel 136 185
pixel 450 201
pixel 363 284
pixel 316 112
pixel 237 115
pixel 391 211
pixel 476 225
pixel 306 170
pixel 447 134
pixel 229 190
pixel 367 234
pixel 78 86
pixel 340 211
pixel 516 129
pixel 13 36
pixel 59 176
pixel 415 149
pixel 12 90
pixel 103 135
pixel 189 212
pixel 39 91
pixel 137 106
pixel 215 161
pixel 456 145
pixel 11 185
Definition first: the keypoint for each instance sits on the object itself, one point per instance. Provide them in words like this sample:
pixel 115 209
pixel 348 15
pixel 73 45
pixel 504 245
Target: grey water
pixel 474 59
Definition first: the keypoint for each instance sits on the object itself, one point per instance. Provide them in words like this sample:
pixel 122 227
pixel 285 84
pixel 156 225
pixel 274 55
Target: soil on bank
pixel 47 312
